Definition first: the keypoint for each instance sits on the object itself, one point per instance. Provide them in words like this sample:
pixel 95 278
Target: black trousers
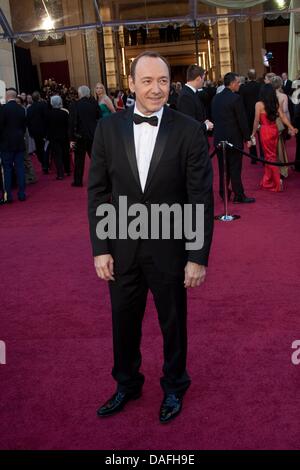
pixel 82 147
pixel 128 298
pixel 61 156
pixel 43 156
pixel 297 155
pixel 234 171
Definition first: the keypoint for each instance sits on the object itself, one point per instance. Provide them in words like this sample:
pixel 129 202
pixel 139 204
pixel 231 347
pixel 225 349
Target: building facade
pixel 87 57
pixel 6 56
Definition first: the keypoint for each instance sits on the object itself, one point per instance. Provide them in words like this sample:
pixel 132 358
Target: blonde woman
pixel 103 100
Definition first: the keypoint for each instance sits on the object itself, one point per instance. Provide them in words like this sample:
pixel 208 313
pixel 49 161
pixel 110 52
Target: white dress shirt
pixel 191 87
pixel 144 139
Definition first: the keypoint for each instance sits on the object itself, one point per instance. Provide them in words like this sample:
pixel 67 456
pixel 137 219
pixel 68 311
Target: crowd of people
pixel 57 125
pixel 263 113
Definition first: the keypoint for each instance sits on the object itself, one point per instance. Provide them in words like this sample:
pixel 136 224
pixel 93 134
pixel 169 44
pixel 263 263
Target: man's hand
pixel 104 265
pixel 209 125
pixel 249 143
pixel 194 274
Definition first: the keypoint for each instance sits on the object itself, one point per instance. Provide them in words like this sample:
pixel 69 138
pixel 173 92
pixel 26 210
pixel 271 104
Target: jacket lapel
pixel 128 138
pixel 160 144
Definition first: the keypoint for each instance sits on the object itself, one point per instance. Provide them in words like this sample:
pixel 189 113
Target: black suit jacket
pixel 180 172
pixel 189 103
pixel 12 127
pixel 58 125
pixel 229 117
pixel 287 88
pixel 84 115
pixel 250 94
pixel 36 118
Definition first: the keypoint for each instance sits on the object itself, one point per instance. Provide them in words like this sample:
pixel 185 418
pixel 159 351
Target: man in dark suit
pixel 37 128
pixel 189 101
pixel 152 155
pixel 250 94
pixel 231 124
pixel 84 116
pixel 58 136
pixel 12 144
pixel 287 84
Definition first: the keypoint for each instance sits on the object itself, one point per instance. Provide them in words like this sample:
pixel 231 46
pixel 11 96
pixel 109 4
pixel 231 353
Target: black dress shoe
pixel 117 402
pixel 7 201
pixel 170 407
pixel 243 200
pixel 75 185
pixel 22 198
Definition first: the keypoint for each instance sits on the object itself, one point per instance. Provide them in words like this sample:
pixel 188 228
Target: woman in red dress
pixel 266 112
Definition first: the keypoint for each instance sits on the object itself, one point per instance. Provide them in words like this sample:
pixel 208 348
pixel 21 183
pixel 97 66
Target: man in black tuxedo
pixel 231 124
pixel 12 144
pixel 189 101
pixel 37 128
pixel 152 155
pixel 250 94
pixel 287 84
pixel 84 115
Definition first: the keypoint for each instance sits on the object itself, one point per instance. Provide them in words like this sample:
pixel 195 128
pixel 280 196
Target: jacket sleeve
pixel 199 181
pixel 72 121
pixel 29 121
pixel 99 190
pixel 241 118
pixel 186 106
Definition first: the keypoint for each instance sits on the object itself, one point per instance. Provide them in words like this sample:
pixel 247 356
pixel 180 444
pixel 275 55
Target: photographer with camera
pixel 84 115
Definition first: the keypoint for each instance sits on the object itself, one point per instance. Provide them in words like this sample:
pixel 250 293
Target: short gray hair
pixel 84 91
pixel 56 102
pixel 276 82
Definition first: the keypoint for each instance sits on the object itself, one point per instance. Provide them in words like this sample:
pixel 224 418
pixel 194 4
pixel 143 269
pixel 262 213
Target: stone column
pixel 223 53
pixel 91 44
pixel 6 57
pixel 76 46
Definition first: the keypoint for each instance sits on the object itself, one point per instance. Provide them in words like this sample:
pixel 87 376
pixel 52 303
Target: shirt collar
pixel 191 87
pixel 157 113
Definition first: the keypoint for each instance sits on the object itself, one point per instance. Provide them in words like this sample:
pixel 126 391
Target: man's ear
pixel 131 84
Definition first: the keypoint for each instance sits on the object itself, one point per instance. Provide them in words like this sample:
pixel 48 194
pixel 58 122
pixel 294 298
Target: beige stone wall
pixel 246 42
pixel 6 57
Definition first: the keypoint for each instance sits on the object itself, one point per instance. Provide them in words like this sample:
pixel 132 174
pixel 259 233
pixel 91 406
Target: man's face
pixel 151 84
pixel 201 81
pixel 235 85
pixel 284 77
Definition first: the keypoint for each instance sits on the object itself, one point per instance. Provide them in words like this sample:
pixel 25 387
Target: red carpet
pixel 55 321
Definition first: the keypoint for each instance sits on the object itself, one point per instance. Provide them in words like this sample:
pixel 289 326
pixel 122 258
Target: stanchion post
pixel 225 217
pixel 225 192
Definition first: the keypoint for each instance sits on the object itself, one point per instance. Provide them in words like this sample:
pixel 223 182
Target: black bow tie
pixel 153 120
